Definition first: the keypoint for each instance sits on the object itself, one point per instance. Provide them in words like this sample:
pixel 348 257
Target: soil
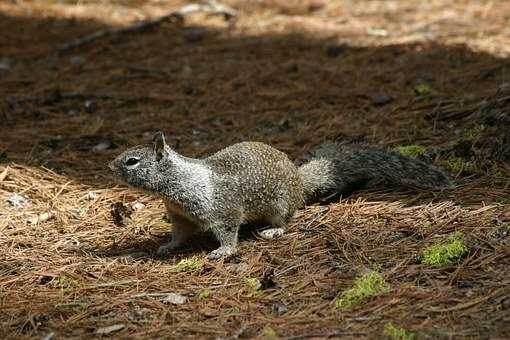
pixel 77 250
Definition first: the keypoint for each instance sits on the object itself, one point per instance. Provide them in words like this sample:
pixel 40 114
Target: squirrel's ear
pixel 159 144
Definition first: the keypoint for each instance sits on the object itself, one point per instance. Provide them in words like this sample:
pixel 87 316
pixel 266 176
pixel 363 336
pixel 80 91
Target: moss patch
pixel 397 333
pixel 424 90
pixel 269 333
pixel 366 286
pixel 497 175
pixel 412 150
pixel 253 286
pixel 204 294
pixel 472 133
pixel 189 265
pixel 446 253
pixel 458 164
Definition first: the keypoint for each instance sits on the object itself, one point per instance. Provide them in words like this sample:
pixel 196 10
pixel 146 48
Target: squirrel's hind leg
pixel 182 229
pixel 226 231
pixel 277 228
pixel 278 224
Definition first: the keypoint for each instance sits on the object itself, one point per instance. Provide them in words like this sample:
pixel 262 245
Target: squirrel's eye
pixel 132 161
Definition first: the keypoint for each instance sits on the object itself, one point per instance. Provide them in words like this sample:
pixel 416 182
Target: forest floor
pixel 77 250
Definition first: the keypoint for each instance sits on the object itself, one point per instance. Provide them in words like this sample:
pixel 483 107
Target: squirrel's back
pixel 262 179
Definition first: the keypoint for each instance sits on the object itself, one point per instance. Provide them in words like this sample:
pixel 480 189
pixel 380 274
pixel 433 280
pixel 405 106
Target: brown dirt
pixel 291 74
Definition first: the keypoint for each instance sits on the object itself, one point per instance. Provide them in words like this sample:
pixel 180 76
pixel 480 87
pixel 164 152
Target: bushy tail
pixel 335 168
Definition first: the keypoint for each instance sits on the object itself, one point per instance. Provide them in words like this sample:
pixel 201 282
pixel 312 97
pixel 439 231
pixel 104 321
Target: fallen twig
pixel 56 96
pixel 177 16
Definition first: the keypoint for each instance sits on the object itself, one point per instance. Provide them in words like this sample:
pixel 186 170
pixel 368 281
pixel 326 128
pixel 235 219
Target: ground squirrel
pixel 252 181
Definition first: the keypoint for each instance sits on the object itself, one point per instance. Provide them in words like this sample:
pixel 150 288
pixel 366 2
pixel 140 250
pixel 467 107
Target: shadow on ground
pixel 208 88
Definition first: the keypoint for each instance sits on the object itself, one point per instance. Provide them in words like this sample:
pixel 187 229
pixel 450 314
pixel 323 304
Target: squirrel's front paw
pixel 220 252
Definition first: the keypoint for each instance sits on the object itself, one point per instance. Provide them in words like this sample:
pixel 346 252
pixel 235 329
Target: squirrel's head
pixel 141 166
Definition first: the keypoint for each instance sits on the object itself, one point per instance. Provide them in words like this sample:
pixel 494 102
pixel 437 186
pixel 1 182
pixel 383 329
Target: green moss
pixel 253 286
pixel 397 333
pixel 189 265
pixel 446 253
pixel 66 285
pixel 424 90
pixel 412 150
pixel 488 269
pixel 205 294
pixel 497 175
pixel 269 334
pixel 458 164
pixel 366 286
pixel 472 133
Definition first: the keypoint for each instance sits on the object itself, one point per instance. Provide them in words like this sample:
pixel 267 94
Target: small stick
pixel 210 6
pixel 57 96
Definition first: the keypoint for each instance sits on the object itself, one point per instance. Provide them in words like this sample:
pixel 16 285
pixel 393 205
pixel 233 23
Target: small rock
pixel 173 298
pixel 110 329
pixel 101 146
pixel 334 51
pixel 90 106
pixel 381 99
pixel 137 205
pixel 17 200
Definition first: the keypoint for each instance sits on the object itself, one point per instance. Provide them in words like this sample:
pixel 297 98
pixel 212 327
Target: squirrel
pixel 254 182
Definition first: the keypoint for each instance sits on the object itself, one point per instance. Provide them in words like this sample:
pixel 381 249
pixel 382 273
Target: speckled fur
pixel 252 181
